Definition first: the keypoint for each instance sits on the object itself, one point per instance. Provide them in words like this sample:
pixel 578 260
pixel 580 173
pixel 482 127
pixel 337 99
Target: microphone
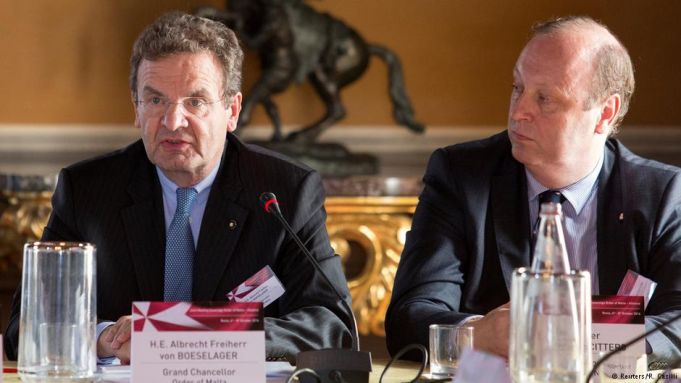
pixel 353 365
pixel 612 353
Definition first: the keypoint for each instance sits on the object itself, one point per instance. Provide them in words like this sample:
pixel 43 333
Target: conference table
pixel 400 371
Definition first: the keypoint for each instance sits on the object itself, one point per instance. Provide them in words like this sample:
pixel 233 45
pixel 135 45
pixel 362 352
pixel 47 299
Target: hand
pixel 115 340
pixel 491 331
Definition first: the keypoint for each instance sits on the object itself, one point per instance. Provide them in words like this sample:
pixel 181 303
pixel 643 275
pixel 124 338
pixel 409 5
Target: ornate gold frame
pixel 373 229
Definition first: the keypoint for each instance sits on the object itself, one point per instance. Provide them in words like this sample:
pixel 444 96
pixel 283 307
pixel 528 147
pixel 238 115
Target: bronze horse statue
pixel 295 42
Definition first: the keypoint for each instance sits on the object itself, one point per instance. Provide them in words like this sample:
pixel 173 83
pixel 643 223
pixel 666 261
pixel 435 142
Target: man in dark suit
pixel 185 80
pixel 571 87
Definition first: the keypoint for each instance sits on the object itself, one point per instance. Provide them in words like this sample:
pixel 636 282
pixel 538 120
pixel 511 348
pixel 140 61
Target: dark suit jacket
pixel 115 203
pixel 471 229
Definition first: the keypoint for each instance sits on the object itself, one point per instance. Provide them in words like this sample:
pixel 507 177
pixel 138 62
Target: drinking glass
pixel 58 312
pixel 550 331
pixel 447 343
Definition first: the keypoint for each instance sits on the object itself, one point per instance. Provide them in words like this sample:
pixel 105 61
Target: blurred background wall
pixel 66 61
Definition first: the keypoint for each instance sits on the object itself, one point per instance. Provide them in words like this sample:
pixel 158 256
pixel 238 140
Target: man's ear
pixel 610 109
pixel 134 108
pixel 234 108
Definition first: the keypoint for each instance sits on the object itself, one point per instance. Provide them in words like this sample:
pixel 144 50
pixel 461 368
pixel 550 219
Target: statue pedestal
pixel 329 159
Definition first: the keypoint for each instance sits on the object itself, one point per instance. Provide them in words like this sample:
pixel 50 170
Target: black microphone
pixel 354 365
pixel 612 353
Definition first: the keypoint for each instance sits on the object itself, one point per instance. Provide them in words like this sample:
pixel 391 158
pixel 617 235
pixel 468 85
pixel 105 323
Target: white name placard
pixel 181 342
pixel 616 320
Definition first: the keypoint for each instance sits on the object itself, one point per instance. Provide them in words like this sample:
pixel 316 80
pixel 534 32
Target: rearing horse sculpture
pixel 295 42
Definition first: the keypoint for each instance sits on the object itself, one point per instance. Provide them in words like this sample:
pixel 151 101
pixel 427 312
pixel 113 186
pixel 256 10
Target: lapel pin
pixel 621 218
pixel 232 224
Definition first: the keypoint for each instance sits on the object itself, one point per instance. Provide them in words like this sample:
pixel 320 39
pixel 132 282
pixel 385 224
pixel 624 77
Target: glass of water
pixel 550 329
pixel 58 312
pixel 446 343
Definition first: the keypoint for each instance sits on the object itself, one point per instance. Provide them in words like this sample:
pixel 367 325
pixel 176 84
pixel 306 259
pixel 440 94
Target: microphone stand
pixel 333 365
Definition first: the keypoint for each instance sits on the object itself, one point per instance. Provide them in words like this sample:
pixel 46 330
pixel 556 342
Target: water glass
pixel 446 344
pixel 550 329
pixel 58 312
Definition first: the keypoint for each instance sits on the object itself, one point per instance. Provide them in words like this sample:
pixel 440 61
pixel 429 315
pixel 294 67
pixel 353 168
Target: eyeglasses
pixel 157 105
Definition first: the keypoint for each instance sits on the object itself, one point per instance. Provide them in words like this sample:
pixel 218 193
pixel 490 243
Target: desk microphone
pixel 353 365
pixel 609 355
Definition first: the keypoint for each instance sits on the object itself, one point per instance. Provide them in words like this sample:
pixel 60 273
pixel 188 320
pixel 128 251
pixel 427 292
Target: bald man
pixel 572 84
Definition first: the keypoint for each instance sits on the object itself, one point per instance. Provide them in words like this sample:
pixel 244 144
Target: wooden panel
pixel 67 61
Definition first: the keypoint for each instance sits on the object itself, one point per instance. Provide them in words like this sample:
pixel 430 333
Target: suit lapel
pixel 612 260
pixel 511 218
pixel 144 226
pixel 221 227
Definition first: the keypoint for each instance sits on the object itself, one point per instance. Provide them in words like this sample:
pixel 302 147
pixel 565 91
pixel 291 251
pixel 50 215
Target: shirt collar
pixel 170 186
pixel 577 194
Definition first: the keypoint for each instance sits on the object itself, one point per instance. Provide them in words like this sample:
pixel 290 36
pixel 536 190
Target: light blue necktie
pixel 179 262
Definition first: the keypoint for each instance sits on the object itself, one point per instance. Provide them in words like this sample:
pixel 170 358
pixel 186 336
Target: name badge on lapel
pixel 263 286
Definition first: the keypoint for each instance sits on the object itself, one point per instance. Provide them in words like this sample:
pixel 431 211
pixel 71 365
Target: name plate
pixel 182 342
pixel 616 319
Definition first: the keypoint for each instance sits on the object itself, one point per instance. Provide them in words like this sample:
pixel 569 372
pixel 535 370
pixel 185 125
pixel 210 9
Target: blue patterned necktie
pixel 179 262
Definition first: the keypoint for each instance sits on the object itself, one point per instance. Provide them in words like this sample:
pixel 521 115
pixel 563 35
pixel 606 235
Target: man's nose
pixel 174 117
pixel 520 108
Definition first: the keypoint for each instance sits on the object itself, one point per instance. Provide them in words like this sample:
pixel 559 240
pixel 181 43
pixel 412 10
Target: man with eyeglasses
pixel 175 216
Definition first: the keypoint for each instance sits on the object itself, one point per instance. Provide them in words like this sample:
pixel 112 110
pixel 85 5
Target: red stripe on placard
pixel 183 316
pixel 617 309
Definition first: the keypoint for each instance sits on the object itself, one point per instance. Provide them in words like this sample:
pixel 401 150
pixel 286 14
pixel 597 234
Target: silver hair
pixel 178 32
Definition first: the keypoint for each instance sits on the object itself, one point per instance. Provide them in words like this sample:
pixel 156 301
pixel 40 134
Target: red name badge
pixel 263 286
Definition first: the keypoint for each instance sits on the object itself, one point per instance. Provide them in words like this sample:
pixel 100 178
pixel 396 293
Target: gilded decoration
pixel 25 206
pixel 369 234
